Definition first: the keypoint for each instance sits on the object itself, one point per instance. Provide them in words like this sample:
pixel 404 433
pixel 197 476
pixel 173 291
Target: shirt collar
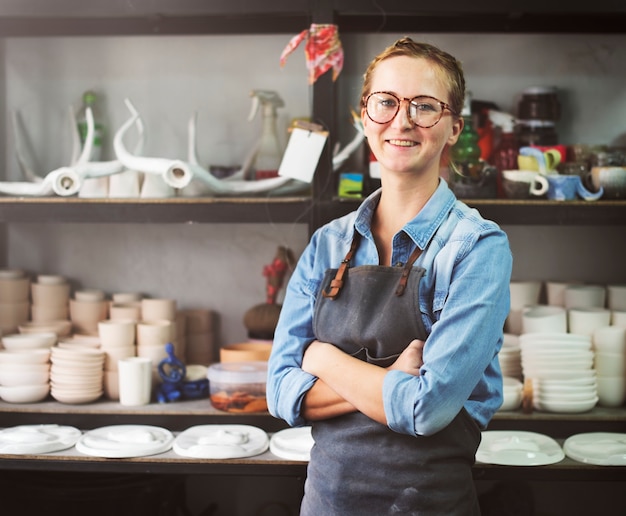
pixel 425 224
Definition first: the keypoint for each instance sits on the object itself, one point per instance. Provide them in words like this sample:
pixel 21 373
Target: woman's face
pixel 399 145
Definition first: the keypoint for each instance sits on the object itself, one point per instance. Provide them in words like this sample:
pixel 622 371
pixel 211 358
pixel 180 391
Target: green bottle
pixel 89 100
pixel 466 152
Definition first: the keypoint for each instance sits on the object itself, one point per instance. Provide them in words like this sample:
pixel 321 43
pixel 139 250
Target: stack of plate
pixel 510 356
pixel 76 375
pixel 560 366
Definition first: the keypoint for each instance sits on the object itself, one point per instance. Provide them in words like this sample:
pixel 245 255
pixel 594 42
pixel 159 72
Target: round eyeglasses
pixel 424 111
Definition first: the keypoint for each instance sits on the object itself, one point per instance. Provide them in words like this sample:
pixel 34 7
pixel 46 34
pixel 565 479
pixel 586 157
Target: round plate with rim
pixel 37 439
pixel 221 442
pixel 598 448
pixel 518 448
pixel 293 443
pixel 125 441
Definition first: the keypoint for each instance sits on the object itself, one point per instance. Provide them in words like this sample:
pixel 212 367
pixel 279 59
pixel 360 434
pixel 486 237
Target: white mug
pixel 135 380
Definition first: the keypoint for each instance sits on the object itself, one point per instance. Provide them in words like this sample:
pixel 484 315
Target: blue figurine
pixel 174 387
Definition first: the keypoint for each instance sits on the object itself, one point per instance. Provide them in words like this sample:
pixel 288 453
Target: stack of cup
pixel 50 295
pixel 609 343
pixel 156 328
pixel 87 309
pixel 117 340
pixel 523 294
pixel 14 299
pixel 201 337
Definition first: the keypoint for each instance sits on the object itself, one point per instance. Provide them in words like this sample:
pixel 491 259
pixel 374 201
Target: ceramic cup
pixel 116 333
pixel 158 309
pixel 585 296
pixel 524 293
pixel 125 311
pixel 523 184
pixel 616 297
pixel 567 188
pixel 154 333
pixel 610 364
pixel 135 380
pixel 584 321
pixel 611 390
pixel 610 339
pixel 555 292
pixel 538 160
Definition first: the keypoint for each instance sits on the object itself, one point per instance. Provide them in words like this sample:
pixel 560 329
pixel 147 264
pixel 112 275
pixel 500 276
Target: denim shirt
pixel 464 301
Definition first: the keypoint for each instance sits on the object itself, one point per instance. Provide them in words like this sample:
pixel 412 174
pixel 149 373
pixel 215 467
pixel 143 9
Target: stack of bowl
pixel 200 332
pixel 24 367
pixel 14 299
pixel 609 344
pixel 76 375
pixel 560 368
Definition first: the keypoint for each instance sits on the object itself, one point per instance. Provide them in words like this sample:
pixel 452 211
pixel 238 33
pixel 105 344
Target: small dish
pixel 125 441
pixel 518 448
pixel 293 443
pixel 37 439
pixel 598 448
pixel 221 442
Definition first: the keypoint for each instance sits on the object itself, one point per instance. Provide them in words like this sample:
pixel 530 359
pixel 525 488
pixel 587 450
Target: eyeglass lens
pixel 382 107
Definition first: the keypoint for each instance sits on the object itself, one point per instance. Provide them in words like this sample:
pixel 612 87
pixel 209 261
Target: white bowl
pixel 566 406
pixel 15 378
pixel 24 393
pixel 25 368
pixel 61 327
pixel 22 341
pixel 512 393
pixel 27 356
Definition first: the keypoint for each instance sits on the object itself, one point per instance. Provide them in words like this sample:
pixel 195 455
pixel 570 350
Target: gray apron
pixel 358 466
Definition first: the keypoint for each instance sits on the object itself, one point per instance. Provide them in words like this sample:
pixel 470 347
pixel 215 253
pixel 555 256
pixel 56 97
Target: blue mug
pixel 566 188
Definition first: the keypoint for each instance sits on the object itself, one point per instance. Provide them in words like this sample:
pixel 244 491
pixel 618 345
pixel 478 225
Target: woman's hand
pixel 410 360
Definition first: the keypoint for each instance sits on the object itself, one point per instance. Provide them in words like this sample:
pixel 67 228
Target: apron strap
pixel 407 270
pixel 337 282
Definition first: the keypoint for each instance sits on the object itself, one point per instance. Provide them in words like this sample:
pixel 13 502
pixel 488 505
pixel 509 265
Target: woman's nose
pixel 402 118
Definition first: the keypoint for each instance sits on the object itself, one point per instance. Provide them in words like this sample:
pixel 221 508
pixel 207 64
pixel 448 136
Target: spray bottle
pixel 269 152
pixel 504 155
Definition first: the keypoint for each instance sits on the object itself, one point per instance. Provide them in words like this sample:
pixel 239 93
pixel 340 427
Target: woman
pixel 388 337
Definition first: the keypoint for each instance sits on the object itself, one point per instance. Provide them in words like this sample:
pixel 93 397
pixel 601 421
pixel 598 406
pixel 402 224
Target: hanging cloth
pixel 323 50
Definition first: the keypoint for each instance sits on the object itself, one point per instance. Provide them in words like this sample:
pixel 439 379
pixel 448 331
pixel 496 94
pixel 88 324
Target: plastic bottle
pixel 89 100
pixel 504 155
pixel 466 152
pixel 270 151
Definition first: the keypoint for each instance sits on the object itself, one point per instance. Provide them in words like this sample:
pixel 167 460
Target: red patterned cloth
pixel 323 50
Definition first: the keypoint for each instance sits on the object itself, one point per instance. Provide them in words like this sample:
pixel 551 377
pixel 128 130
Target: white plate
pixel 510 448
pixel 124 441
pixel 37 439
pixel 293 443
pixel 599 448
pixel 221 442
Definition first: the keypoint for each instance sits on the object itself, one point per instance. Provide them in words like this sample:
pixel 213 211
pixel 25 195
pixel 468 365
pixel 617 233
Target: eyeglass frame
pixel 443 105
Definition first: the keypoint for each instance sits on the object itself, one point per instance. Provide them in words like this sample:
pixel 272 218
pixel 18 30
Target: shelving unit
pixel 39 18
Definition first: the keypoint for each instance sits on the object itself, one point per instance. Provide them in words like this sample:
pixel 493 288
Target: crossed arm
pixel 346 384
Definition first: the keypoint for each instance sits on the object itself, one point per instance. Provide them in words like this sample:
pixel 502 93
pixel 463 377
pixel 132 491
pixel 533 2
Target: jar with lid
pixel 531 133
pixel 539 103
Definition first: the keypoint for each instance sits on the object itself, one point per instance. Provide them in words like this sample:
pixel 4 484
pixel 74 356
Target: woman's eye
pixel 388 103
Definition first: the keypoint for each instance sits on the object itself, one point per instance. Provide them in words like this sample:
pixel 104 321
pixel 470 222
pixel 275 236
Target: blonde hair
pixel 448 64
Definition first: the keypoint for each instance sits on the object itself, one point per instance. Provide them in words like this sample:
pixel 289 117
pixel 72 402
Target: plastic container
pixel 238 386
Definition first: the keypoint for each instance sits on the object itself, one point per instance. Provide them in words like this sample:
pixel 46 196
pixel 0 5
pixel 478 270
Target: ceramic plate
pixel 221 442
pixel 293 443
pixel 510 448
pixel 599 448
pixel 37 439
pixel 123 441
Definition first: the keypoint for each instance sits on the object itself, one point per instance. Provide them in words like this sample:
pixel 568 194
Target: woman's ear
pixel 457 127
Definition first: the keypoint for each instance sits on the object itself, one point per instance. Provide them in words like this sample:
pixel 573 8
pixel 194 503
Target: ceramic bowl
pixel 612 179
pixel 246 351
pixel 15 378
pixel 50 293
pixel 22 341
pixel 27 356
pixel 512 393
pixel 24 393
pixel 61 327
